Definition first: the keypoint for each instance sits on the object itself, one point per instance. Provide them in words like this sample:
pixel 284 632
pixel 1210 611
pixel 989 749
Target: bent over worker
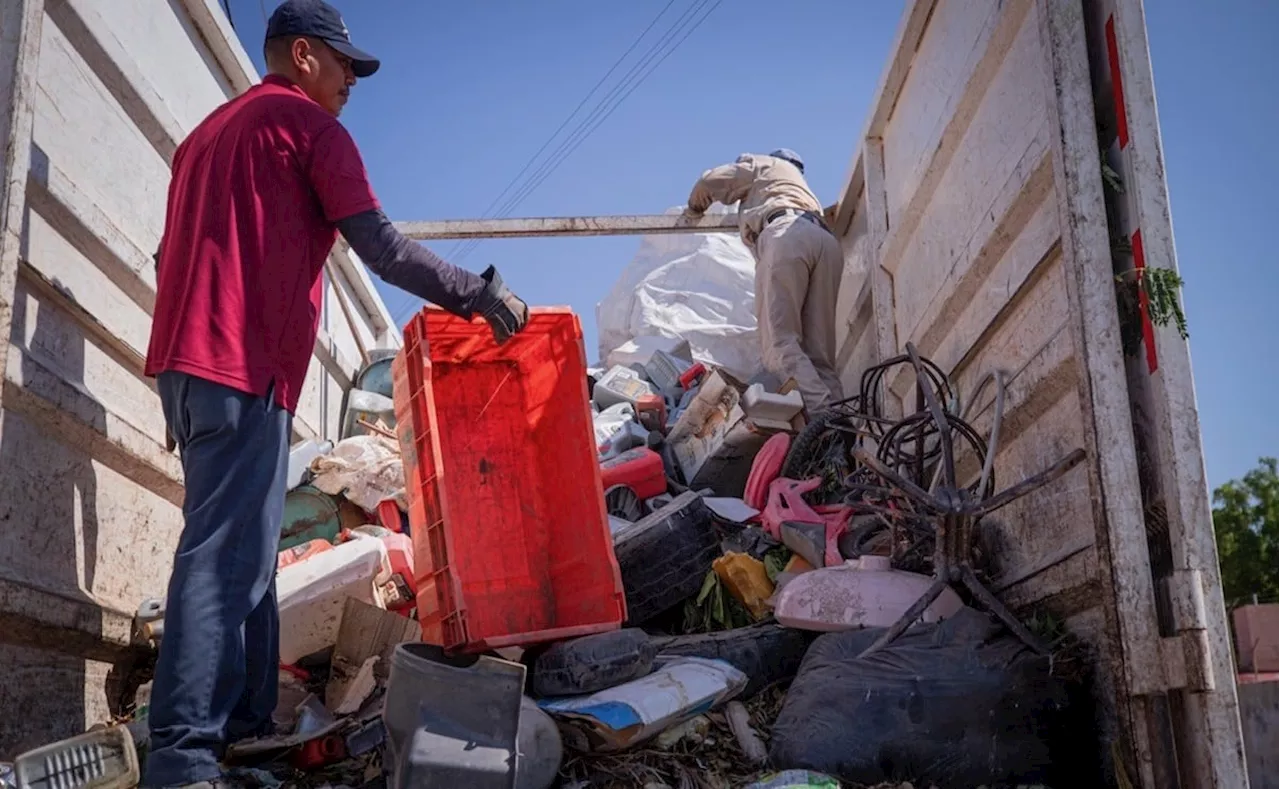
pixel 798 266
pixel 259 191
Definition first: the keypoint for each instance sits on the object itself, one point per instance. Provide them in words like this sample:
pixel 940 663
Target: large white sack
pixel 700 287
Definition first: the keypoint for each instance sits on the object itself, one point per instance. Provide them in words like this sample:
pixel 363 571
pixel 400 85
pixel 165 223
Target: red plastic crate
pixel 511 538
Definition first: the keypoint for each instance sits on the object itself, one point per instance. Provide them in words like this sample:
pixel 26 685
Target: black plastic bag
pixel 954 704
pixel 591 663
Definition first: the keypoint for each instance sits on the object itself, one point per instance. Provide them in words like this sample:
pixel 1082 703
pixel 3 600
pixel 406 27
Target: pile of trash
pixel 806 606
pixel 801 555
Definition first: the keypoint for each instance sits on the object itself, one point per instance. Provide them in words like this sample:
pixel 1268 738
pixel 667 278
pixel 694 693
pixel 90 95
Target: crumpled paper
pixel 364 469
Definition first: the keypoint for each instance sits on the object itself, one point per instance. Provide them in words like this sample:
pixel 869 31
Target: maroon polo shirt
pixel 256 192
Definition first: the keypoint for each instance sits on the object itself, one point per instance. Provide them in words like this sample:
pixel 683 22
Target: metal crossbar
pixel 620 225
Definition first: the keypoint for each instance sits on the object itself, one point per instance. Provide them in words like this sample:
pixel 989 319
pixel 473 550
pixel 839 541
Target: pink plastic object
pixel 837 517
pixel 786 503
pixel 864 592
pixel 765 469
pixel 400 553
pixel 399 556
pixel 389 515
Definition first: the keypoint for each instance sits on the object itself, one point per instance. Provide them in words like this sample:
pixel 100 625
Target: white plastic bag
pixel 364 469
pixel 700 287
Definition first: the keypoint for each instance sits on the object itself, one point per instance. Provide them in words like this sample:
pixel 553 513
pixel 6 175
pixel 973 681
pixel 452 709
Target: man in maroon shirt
pixel 259 192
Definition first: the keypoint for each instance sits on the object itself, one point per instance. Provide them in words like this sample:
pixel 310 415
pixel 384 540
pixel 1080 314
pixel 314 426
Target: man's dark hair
pixel 273 49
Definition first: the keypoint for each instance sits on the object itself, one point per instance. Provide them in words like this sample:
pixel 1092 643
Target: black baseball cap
pixel 318 19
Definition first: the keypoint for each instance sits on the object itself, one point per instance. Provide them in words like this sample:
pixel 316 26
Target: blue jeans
pixel 216 675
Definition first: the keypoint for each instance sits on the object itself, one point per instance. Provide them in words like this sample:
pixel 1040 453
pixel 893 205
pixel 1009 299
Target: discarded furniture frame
pixel 956 510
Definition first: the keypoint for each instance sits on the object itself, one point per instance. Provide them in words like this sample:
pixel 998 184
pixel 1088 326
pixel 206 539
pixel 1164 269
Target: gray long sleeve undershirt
pixel 410 266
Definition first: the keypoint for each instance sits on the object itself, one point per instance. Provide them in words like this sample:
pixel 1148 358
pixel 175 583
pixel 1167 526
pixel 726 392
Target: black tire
pixel 592 663
pixel 862 531
pixel 807 443
pixel 766 653
pixel 665 557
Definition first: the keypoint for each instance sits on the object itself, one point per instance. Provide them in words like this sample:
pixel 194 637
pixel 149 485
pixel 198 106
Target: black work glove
pixel 504 311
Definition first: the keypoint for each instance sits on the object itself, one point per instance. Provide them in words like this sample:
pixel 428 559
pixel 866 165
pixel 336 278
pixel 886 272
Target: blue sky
pixel 468 92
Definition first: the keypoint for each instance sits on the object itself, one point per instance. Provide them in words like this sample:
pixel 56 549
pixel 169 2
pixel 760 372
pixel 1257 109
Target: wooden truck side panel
pixel 976 226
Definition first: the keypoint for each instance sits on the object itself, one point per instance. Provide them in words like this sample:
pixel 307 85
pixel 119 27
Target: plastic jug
pixel 665 371
pixel 452 721
pixel 640 469
pixel 745 578
pixel 311 594
pixel 620 385
pixel 631 435
pixel 864 592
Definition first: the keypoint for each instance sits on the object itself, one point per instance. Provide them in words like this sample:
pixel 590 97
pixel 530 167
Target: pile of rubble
pixel 805 606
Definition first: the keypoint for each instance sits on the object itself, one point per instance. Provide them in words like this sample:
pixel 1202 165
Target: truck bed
pixel 976 225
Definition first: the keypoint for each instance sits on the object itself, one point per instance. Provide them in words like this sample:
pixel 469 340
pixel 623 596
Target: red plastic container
pixel 640 469
pixel 389 515
pixel 511 540
pixel 300 552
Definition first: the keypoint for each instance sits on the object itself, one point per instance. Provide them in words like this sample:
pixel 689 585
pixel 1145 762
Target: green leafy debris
pixel 1161 287
pixel 775 559
pixel 1112 179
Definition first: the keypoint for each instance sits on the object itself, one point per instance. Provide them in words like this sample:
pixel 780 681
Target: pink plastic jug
pixel 864 592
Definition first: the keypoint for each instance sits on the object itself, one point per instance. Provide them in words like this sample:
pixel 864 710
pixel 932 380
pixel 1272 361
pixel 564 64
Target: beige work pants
pixel 798 268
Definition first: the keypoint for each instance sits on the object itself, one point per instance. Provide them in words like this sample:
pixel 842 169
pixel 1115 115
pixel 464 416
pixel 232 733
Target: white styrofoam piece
pixel 761 404
pixel 311 593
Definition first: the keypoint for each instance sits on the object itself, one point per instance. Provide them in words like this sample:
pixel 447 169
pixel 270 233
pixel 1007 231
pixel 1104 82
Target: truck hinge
pixel 1185 654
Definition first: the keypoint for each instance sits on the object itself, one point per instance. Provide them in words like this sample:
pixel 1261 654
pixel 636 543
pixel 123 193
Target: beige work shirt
pixel 761 184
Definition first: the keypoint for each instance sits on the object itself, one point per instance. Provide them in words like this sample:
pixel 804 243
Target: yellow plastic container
pixel 797 565
pixel 746 580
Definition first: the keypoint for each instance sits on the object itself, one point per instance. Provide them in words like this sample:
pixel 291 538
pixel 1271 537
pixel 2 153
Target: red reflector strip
pixel 1117 85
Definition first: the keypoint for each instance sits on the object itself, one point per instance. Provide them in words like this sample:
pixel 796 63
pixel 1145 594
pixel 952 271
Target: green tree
pixel 1244 523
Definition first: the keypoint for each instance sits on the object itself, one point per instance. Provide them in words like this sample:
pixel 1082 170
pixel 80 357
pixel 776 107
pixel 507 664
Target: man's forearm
pixel 410 266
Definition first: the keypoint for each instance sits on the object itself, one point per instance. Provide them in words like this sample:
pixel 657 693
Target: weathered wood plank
pixel 20 35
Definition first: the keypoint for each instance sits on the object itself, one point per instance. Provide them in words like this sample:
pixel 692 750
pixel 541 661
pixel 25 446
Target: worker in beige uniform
pixel 798 266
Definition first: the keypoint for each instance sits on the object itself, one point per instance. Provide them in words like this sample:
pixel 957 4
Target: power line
pixel 603 109
pixel 578 135
pixel 412 301
pixel 599 115
pixel 569 117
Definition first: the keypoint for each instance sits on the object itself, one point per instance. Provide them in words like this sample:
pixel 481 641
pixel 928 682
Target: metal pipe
pixel 622 225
